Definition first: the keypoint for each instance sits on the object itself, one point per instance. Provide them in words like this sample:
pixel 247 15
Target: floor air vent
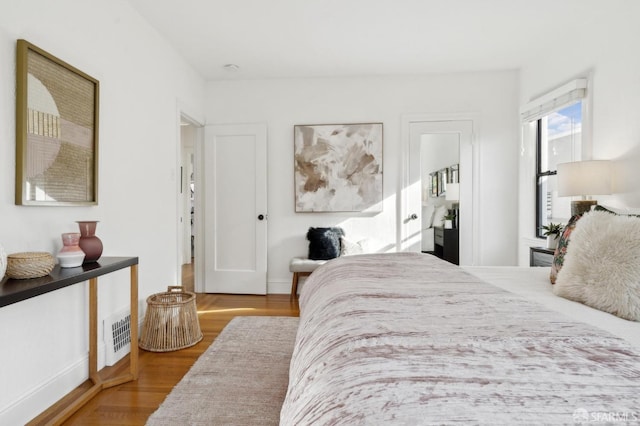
pixel 117 336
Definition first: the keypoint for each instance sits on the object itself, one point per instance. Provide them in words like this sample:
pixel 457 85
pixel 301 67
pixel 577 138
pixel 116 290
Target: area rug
pixel 241 379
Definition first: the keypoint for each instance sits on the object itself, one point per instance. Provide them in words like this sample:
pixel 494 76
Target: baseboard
pixel 43 396
pixel 279 286
pixel 283 286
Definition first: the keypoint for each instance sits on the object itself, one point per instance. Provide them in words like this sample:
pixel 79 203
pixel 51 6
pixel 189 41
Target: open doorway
pixel 186 203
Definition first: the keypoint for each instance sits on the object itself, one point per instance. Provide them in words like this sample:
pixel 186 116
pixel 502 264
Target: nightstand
pixel 446 245
pixel 540 256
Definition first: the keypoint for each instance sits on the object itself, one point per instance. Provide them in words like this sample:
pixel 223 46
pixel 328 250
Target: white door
pixel 234 171
pixel 411 220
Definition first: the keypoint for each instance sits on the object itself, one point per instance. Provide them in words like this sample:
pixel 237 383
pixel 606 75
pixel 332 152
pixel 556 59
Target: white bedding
pixel 533 284
pixel 410 339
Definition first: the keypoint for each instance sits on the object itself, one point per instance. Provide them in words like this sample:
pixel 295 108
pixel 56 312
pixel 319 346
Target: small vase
pixel 448 224
pixel 552 241
pixel 71 255
pixel 89 243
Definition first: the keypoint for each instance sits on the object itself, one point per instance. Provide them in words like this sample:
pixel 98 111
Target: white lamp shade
pixel 453 192
pixel 584 178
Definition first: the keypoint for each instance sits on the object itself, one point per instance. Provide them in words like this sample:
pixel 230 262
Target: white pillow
pixel 427 215
pixel 438 216
pixel 602 268
pixel 348 247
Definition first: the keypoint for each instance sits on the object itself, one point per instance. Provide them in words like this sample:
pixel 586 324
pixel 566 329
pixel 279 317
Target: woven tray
pixel 28 265
pixel 171 321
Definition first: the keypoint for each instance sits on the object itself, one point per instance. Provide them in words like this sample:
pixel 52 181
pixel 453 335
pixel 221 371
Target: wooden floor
pixel 187 277
pixel 132 403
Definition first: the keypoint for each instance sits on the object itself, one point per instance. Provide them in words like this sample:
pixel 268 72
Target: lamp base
pixel 582 206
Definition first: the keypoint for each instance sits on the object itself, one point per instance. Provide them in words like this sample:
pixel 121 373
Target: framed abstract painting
pixel 56 131
pixel 338 167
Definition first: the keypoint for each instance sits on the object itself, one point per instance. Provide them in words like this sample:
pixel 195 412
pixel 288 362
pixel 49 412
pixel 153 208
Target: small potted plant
pixel 552 231
pixel 448 220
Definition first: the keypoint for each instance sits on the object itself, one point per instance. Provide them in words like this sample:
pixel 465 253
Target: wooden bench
pixel 302 267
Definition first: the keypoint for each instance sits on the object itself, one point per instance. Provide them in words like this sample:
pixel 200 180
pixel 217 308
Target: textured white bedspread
pixel 409 339
pixel 534 285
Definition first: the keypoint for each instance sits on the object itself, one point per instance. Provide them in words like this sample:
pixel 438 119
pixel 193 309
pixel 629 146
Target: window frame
pixel 540 175
pixel 537 103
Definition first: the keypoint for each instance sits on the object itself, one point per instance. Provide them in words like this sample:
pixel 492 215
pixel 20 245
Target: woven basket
pixel 171 321
pixel 27 265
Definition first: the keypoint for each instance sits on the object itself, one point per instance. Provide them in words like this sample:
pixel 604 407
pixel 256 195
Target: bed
pixel 407 338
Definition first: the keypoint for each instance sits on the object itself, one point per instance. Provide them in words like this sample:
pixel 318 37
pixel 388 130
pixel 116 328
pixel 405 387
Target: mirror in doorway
pixel 440 171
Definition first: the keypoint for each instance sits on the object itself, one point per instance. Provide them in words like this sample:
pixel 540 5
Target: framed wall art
pixel 433 184
pixel 338 167
pixel 443 179
pixel 454 173
pixel 56 131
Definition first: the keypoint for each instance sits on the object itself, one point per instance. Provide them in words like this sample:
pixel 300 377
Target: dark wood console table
pixel 13 291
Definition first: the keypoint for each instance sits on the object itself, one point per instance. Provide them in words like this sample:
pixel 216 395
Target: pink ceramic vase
pixel 71 255
pixel 89 243
pixel 70 241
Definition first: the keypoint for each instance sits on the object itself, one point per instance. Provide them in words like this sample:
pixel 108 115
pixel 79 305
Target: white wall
pixel 437 151
pixel 283 103
pixel 606 53
pixel 142 80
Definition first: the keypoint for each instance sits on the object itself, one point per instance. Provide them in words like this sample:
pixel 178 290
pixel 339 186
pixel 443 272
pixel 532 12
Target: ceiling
pixel 326 38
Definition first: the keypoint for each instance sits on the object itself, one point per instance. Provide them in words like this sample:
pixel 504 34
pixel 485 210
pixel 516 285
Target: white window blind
pixel 555 100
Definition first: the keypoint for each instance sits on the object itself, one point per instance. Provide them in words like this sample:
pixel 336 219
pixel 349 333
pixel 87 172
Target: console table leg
pixel 93 330
pixel 133 355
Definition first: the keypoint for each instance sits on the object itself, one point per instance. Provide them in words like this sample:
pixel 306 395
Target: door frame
pixel 402 200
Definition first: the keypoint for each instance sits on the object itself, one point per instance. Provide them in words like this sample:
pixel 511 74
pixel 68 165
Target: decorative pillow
pixel 438 216
pixel 612 210
pixel 348 247
pixel 602 270
pixel 561 248
pixel 563 242
pixel 324 243
pixel 427 216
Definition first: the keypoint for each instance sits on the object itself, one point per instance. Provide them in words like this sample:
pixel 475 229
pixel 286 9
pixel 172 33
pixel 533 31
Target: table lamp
pixel 584 178
pixel 453 194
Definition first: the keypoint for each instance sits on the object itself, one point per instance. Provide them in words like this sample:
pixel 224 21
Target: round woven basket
pixel 171 321
pixel 27 265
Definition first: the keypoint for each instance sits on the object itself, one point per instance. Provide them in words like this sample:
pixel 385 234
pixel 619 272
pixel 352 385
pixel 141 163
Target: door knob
pixel 413 217
pixel 261 217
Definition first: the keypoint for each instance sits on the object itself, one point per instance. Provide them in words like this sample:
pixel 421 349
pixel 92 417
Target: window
pixel 554 126
pixel 558 140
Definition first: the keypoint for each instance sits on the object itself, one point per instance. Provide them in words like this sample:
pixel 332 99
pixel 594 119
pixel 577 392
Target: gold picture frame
pixel 56 131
